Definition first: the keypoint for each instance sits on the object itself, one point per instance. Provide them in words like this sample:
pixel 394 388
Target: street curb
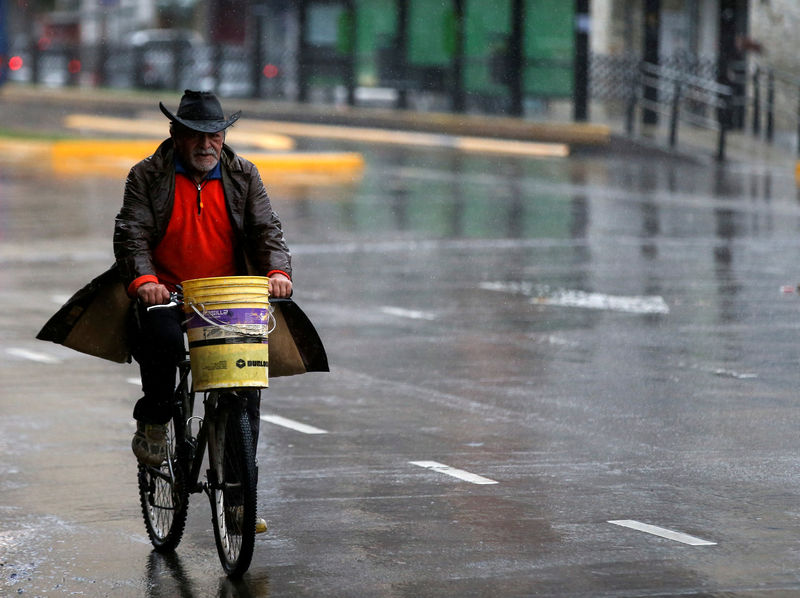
pixel 116 156
pixel 111 102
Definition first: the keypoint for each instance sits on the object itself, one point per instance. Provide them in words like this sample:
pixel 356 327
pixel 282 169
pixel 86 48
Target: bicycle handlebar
pixel 175 300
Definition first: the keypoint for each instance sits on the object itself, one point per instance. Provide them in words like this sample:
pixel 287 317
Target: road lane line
pixel 662 532
pixel 634 304
pixel 543 295
pixel 32 355
pixel 452 471
pixel 292 425
pixel 407 313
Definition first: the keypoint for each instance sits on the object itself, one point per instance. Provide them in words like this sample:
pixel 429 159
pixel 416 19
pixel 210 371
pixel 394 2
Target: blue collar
pixel 216 172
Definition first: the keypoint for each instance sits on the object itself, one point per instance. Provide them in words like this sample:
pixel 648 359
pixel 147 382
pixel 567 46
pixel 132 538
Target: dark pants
pixel 159 349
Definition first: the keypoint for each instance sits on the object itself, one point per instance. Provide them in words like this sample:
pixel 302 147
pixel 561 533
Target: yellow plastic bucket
pixel 228 328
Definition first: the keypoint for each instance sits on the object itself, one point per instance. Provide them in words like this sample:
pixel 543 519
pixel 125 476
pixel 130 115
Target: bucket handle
pixel 271 321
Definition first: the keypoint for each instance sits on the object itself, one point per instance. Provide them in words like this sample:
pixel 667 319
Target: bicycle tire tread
pixel 237 423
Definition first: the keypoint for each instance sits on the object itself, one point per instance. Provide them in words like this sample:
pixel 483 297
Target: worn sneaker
pixel 149 444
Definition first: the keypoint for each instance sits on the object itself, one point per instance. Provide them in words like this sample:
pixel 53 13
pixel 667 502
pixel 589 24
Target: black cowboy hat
pixel 200 111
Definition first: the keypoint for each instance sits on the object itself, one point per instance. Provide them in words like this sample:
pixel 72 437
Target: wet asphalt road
pixel 603 337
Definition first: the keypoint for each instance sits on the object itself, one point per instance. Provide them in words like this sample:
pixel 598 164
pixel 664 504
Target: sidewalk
pixel 701 145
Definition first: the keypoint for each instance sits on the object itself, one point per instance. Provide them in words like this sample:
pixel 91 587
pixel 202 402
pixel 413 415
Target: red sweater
pixel 199 241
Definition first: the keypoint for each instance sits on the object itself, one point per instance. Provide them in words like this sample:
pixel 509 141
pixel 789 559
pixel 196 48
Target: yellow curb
pixel 274 135
pixel 24 151
pixel 99 156
pixel 115 157
pixel 308 162
pixel 566 132
pixel 506 146
pixel 81 149
pixel 570 133
pixel 150 127
pixel 390 137
pixel 309 168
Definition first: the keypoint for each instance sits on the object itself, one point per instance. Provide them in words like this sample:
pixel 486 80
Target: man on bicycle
pixel 194 209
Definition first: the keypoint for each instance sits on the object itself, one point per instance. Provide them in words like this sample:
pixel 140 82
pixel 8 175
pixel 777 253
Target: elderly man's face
pixel 198 152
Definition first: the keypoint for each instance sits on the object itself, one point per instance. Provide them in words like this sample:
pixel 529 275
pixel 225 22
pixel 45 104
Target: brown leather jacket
pixel 147 207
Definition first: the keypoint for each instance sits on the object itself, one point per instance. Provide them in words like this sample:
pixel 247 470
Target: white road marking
pixel 733 374
pixel 32 355
pixel 407 313
pixel 543 295
pixel 634 305
pixel 292 425
pixel 451 471
pixel 662 532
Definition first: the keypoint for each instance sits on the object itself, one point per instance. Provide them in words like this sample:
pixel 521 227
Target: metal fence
pixel 758 101
pixel 682 90
pixel 773 106
pixel 611 76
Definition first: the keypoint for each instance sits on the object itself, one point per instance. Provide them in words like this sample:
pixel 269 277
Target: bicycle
pixel 230 480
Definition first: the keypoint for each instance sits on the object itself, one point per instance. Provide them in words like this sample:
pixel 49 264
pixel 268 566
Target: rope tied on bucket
pixel 249 330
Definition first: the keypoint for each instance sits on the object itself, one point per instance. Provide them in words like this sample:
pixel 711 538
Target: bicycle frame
pixel 191 449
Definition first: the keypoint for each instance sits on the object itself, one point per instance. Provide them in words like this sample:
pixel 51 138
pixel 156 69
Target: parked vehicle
pixel 169 59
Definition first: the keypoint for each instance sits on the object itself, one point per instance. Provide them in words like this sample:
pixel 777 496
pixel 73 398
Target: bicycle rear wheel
pixel 164 498
pixel 232 483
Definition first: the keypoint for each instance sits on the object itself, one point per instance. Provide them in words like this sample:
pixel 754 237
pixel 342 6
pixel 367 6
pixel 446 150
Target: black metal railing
pixel 774 102
pixel 681 97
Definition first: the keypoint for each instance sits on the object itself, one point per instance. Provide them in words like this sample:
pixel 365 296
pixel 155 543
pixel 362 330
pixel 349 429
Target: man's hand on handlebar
pixel 280 287
pixel 151 293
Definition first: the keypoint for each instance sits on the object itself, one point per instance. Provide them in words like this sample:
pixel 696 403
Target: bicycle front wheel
pixel 232 484
pixel 164 498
